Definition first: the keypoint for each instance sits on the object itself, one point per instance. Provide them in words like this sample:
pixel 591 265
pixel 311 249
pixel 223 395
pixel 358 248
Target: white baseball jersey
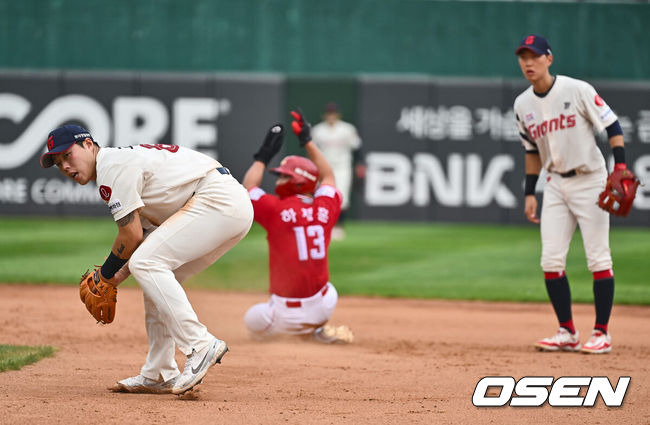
pixel 337 142
pixel 560 125
pixel 157 178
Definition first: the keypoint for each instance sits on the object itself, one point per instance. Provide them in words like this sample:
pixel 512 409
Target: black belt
pixel 223 170
pixel 569 173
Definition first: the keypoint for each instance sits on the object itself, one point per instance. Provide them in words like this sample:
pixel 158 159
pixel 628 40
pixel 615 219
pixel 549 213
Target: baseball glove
pixel 619 193
pixel 99 296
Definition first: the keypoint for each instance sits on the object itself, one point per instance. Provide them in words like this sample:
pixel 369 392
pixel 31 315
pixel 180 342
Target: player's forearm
pixel 616 141
pixel 129 235
pixel 324 168
pixel 254 175
pixel 533 163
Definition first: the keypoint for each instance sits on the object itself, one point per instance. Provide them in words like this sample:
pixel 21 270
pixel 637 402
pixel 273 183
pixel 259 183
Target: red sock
pixel 568 325
pixel 602 328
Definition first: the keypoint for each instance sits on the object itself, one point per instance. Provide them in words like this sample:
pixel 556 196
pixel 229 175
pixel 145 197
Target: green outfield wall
pixel 444 38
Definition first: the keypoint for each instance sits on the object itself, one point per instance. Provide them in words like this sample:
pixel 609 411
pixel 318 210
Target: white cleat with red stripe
pixel 599 343
pixel 563 340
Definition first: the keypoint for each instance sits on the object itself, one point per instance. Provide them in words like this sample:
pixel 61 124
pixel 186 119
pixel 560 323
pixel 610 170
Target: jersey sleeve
pixel 263 205
pixel 529 145
pixel 328 200
pixel 594 108
pixel 125 185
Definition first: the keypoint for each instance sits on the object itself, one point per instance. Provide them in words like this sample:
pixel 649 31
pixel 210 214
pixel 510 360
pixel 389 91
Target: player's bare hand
pixel 360 171
pixel 530 209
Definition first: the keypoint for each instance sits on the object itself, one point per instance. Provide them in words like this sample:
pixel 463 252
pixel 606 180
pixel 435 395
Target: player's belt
pixel 296 304
pixel 223 170
pixel 569 173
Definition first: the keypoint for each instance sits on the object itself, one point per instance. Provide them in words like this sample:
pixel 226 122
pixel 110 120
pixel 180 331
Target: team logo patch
pixel 599 100
pixel 50 143
pixel 115 206
pixel 530 39
pixel 566 105
pixel 529 117
pixel 105 192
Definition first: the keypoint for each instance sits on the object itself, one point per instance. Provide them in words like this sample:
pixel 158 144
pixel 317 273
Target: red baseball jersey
pixel 298 232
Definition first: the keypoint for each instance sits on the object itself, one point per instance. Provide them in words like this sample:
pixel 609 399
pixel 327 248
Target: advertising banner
pixel 449 150
pixel 435 149
pixel 222 116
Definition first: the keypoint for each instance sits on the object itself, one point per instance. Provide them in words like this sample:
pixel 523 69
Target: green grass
pixel 14 357
pixel 415 260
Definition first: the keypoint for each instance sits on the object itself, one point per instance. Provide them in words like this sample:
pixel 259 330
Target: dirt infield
pixel 413 362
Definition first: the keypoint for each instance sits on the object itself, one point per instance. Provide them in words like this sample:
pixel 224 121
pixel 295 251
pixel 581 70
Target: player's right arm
pixel 533 168
pixel 270 146
pixel 254 174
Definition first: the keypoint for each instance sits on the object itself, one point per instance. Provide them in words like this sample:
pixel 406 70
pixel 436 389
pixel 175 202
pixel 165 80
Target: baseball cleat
pixel 197 365
pixel 599 343
pixel 563 340
pixel 143 385
pixel 334 334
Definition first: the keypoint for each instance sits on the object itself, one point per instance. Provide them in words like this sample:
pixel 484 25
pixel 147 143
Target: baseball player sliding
pixel 177 211
pixel 299 222
pixel 556 117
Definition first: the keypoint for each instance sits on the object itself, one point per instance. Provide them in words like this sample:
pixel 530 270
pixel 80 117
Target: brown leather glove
pixel 99 296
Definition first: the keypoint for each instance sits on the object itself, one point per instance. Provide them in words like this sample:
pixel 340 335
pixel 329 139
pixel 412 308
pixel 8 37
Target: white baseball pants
pixel 295 316
pixel 218 216
pixel 571 201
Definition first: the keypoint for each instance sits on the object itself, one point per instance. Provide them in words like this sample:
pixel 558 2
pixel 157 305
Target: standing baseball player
pixel 298 222
pixel 556 118
pixel 340 143
pixel 177 211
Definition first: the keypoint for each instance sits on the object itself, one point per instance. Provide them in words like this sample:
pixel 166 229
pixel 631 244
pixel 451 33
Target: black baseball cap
pixel 536 44
pixel 62 139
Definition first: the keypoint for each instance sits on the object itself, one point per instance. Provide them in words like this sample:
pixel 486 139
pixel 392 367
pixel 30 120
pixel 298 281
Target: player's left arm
pixel 616 142
pixel 302 129
pixel 324 168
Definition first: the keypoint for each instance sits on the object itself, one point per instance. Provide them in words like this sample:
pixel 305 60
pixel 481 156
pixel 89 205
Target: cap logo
pixel 105 192
pixel 530 39
pixel 50 143
pixel 599 100
pixel 83 136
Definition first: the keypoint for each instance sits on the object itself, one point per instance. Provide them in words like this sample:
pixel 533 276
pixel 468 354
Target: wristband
pixel 619 155
pixel 531 182
pixel 112 265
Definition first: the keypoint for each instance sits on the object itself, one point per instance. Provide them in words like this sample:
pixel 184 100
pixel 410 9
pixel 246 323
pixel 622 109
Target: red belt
pixel 296 304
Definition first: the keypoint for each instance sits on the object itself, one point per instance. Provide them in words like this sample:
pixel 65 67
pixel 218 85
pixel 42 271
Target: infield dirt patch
pixel 413 361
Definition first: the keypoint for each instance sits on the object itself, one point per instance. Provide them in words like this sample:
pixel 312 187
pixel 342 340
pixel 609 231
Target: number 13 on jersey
pixel 316 235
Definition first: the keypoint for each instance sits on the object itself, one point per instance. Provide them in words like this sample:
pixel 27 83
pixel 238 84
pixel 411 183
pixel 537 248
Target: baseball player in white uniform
pixel 340 143
pixel 177 211
pixel 556 118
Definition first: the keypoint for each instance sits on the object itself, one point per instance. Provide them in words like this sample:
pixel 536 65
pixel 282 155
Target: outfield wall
pixel 446 38
pixel 436 149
